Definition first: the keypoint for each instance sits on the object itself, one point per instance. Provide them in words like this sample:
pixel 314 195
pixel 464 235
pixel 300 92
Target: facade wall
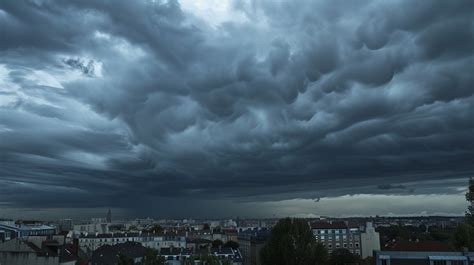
pixel 339 238
pixel 409 262
pixel 370 241
pixel 158 242
pixel 73 262
pixel 423 257
pixel 101 228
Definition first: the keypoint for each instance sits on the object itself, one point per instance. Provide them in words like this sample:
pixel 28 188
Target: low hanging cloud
pixel 121 103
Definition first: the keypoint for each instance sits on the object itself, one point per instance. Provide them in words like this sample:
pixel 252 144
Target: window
pixel 439 262
pixel 357 245
pixel 457 262
pixel 330 246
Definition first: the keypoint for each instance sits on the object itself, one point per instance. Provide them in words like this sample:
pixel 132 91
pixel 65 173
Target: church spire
pixel 109 216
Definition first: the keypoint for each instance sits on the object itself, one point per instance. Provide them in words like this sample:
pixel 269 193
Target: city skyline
pixel 256 108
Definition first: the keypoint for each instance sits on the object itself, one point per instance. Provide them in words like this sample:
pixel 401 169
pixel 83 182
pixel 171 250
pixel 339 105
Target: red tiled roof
pixel 326 225
pixel 421 246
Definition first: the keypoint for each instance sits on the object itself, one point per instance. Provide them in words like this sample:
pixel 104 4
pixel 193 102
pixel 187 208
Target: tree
pixel 321 254
pixel 464 235
pixel 470 199
pixel 152 258
pixel 124 260
pixel 210 260
pixel 231 244
pixel 226 262
pixel 217 243
pixel 292 243
pixel 342 256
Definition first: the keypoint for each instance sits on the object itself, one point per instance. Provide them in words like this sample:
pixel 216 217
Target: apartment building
pixel 338 235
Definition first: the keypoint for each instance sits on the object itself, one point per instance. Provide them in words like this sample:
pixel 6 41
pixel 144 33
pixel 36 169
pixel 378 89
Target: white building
pixel 370 241
pixel 101 228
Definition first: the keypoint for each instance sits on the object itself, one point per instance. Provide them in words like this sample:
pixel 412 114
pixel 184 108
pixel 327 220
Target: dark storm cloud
pixel 121 102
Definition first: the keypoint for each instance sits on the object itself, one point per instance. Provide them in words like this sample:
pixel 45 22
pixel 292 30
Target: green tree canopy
pixel 231 244
pixel 292 243
pixel 217 243
pixel 470 199
pixel 210 260
pixel 152 258
pixel 124 260
pixel 342 256
pixel 464 235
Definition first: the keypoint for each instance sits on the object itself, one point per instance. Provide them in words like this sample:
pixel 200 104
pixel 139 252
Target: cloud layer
pixel 126 103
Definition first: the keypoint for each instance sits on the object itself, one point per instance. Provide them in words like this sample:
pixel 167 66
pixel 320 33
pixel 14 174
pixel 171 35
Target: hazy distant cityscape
pixel 238 240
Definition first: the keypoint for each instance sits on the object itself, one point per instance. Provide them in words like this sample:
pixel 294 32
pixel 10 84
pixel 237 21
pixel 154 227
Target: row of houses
pixel 109 254
pixel 91 242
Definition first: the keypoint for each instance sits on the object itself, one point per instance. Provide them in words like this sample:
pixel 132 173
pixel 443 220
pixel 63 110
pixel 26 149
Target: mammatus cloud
pixel 125 103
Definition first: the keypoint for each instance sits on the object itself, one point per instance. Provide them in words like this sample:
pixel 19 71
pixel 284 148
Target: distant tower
pixel 109 216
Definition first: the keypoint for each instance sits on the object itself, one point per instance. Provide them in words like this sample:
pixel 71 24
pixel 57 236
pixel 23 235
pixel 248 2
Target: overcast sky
pixel 225 108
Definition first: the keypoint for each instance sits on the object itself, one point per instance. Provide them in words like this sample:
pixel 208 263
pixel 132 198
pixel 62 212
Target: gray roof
pixel 108 255
pixel 16 245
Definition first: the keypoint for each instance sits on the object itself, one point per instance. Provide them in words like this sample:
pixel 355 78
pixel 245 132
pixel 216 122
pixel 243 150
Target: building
pixel 176 256
pixel 94 227
pixel 108 255
pixel 24 230
pixel 5 235
pixel 338 235
pixel 369 241
pixel 231 254
pixel 198 243
pixel 66 225
pixel 109 216
pixel 19 252
pixel 48 252
pixel 423 258
pixel 91 242
pixel 251 242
